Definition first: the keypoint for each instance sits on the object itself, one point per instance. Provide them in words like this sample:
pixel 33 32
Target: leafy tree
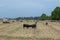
pixel 55 15
pixel 43 17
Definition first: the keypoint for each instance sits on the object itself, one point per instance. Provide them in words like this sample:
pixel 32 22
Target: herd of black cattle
pixel 26 25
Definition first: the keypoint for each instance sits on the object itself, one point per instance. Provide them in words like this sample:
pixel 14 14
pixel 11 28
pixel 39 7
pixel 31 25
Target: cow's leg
pixel 34 26
pixel 27 27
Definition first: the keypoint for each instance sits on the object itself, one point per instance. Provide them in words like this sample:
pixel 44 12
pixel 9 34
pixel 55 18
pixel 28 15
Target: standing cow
pixel 46 23
pixel 27 25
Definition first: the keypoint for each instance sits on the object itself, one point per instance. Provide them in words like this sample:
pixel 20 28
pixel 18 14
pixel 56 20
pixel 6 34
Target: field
pixel 15 31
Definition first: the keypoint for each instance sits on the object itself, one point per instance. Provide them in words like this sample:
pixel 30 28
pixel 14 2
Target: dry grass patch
pixel 15 31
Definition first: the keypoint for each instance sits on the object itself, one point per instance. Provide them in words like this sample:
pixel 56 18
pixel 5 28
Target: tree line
pixel 42 17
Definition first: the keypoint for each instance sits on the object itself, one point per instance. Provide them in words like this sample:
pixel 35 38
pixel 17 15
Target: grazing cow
pixel 27 25
pixel 6 22
pixel 21 21
pixel 13 21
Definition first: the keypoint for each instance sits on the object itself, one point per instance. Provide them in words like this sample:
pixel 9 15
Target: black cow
pixel 27 25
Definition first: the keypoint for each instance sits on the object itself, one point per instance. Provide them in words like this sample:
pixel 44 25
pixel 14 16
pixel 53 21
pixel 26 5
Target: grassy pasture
pixel 15 31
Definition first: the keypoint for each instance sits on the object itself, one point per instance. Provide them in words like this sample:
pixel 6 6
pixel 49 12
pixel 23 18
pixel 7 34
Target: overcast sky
pixel 24 8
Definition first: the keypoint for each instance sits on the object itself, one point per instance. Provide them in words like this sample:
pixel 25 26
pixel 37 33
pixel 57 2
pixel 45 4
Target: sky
pixel 27 8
